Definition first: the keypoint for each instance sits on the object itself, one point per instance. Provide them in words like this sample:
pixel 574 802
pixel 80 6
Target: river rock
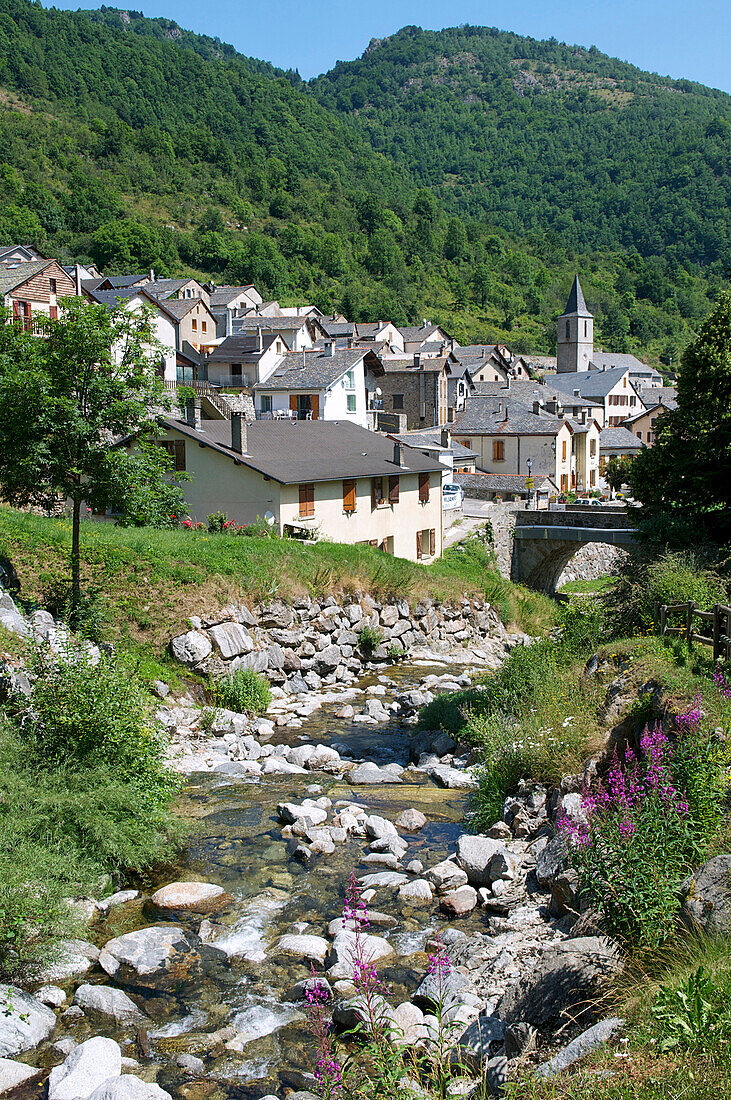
pixel 121 897
pixel 289 812
pixel 446 876
pixel 195 897
pixel 707 897
pixel 51 995
pixel 191 648
pixel 408 1025
pixel 482 859
pixel 480 1042
pixel 303 947
pixel 458 903
pixel 411 821
pixel 75 957
pixel 452 778
pixel 552 860
pixel 365 774
pixel 359 1013
pixel 418 892
pixel 589 1041
pixel 348 947
pixel 383 878
pixel 88 1066
pixel 24 1021
pixel 231 639
pixel 155 958
pixel 435 988
pixel 379 827
pixel 563 986
pixel 13 1074
pixel 107 1001
pixel 129 1087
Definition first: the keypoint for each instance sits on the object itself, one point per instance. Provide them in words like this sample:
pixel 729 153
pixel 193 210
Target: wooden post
pixel 663 619
pixel 716 631
pixel 689 623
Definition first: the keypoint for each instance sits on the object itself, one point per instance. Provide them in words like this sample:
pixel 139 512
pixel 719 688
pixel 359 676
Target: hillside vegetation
pixel 170 150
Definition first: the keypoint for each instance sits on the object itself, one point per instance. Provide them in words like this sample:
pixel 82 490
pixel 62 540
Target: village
pixel 361 433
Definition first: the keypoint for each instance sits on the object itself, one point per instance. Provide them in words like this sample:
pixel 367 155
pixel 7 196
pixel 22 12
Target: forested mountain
pixel 133 142
pixel 540 135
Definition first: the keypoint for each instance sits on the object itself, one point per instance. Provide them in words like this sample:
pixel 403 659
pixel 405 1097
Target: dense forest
pixel 137 144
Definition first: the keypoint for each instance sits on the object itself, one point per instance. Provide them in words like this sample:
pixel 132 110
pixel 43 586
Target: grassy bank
pixel 147 582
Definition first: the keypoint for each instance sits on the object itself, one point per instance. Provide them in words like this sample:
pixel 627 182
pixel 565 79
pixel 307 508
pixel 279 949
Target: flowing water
pixel 236 842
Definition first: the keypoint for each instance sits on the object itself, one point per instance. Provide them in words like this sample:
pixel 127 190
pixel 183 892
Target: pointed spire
pixel 576 303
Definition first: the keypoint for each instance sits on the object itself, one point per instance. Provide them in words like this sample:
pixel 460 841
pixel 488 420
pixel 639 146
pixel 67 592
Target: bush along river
pixel 195 983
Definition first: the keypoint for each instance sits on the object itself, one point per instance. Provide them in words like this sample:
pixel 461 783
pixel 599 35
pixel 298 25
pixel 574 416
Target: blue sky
pixel 675 37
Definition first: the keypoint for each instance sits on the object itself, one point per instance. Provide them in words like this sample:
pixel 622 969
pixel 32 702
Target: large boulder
pixel 440 991
pixel 707 897
pixel 191 648
pixel 193 897
pixel 552 860
pixel 105 1000
pixel 479 1042
pixel 411 821
pixel 483 860
pixel 128 1087
pixel 458 903
pixel 158 958
pixel 564 986
pixel 349 948
pixel 24 1021
pixel 89 1065
pixel 365 774
pixel 584 1044
pixel 307 948
pixel 446 876
pixel 73 958
pixel 363 1014
pixel 14 1073
pixel 231 639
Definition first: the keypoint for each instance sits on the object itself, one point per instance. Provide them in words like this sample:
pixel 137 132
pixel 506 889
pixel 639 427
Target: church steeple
pixel 575 334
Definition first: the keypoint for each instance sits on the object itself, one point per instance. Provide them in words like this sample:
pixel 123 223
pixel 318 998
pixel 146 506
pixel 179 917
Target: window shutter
pixel 393 490
pixel 423 488
pixel 432 542
pixel 293 402
pixel 315 406
pixel 307 500
pixel 418 544
pixel 349 495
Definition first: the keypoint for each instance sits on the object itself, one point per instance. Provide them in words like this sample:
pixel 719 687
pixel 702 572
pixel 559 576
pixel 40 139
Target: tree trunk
pixel 75 562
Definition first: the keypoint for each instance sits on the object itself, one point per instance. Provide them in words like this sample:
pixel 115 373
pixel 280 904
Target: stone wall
pixel 314 643
pixel 596 559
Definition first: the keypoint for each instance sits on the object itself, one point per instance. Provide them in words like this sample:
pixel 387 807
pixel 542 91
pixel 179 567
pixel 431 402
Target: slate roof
pixel 12 277
pixel 296 451
pixel 338 328
pixel 526 391
pixel 412 333
pixel 593 383
pixel 480 416
pixel 576 306
pixel 243 348
pixel 222 295
pixel 180 307
pixel 618 439
pixel 111 298
pixel 122 281
pixel 433 440
pixel 505 483
pixel 163 288
pixel 7 252
pixel 275 324
pixel 609 359
pixel 433 365
pixel 312 370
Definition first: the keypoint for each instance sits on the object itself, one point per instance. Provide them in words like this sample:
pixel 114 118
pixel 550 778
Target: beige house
pixel 196 323
pixel 31 291
pixel 228 302
pixel 166 290
pixel 318 479
pixel 658 401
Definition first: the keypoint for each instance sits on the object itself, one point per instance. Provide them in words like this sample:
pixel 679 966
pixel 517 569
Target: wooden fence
pixel 718 620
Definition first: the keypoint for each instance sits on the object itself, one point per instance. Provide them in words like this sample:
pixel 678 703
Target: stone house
pixel 417 388
pixel 32 290
pixel 196 323
pixel 493 363
pixel 323 383
pixel 229 302
pixel 319 479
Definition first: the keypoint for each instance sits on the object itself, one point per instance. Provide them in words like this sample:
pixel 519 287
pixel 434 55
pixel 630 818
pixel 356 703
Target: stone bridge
pixel 544 542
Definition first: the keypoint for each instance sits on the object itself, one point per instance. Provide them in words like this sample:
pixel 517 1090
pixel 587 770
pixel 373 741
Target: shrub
pixel 674 577
pixel 694 1015
pixel 95 715
pixel 217 521
pixel 396 653
pixel 244 691
pixel 369 638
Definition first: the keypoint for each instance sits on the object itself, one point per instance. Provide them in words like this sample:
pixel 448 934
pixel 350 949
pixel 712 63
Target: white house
pixel 320 384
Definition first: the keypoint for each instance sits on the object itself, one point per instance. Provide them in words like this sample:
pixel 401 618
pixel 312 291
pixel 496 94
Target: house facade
pixel 229 302
pixel 164 324
pixel 317 479
pixel 240 362
pixel 325 383
pixel 417 388
pixel 33 289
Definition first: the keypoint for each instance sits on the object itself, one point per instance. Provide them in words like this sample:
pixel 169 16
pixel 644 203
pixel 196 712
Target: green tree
pixel 617 472
pixel 66 402
pixel 688 470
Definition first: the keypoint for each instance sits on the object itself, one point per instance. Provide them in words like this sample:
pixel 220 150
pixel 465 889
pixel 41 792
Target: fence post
pixel 689 623
pixel 663 619
pixel 716 631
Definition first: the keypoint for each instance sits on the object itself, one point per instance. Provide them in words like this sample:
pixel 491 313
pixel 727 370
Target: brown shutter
pixel 393 490
pixel 293 402
pixel 179 452
pixel 418 544
pixel 315 406
pixel 374 492
pixel 349 495
pixel 432 542
pixel 307 500
pixel 423 488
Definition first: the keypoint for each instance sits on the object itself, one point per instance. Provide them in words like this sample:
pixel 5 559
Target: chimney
pixel 446 438
pixel 577 393
pixel 425 323
pixel 537 406
pixel 193 413
pixel 259 341
pixel 330 348
pixel 239 433
pixel 417 361
pixel 152 275
pixel 77 280
pixel 396 453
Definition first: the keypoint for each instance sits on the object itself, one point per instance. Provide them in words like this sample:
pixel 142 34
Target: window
pixel 426 543
pixel 266 404
pixel 564 482
pixel 52 285
pixel 393 490
pixel 586 328
pixel 563 451
pixel 592 478
pixel 350 380
pixel 419 545
pixel 307 500
pixel 351 402
pixel 378 495
pixel 639 435
pixel 204 326
pixel 176 449
pixel 53 312
pixel 195 325
pixel 349 495
pixel 568 329
pixel 624 381
pixel 387 545
pixel 592 448
pixel 498 450
pixel 236 371
pixel 633 400
pixel 423 488
pixel 650 437
pixel 398 402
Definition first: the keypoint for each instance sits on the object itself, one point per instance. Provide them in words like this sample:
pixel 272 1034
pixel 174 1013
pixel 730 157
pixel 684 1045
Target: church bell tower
pixel 575 344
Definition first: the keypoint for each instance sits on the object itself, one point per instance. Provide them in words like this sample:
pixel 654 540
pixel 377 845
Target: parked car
pixel 452 495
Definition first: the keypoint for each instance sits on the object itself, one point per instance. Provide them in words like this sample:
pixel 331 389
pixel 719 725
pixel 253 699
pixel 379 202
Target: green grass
pixel 147 582
pixel 599 584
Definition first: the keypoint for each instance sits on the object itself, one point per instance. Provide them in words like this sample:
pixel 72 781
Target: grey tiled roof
pixel 312 370
pixel 527 391
pixel 338 328
pixel 14 276
pixel 297 451
pixel 505 483
pixel 180 307
pixel 275 324
pixel 609 359
pixel 618 439
pixel 418 332
pixel 235 348
pixel 592 383
pixel 434 440
pixel 222 295
pixel 481 416
pixel 407 366
pixel 163 288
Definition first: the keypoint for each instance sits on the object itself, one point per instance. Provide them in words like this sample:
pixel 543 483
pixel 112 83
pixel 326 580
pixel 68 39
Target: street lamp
pixel 529 464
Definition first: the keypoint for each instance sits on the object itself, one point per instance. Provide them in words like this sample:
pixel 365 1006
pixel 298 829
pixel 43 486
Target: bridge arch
pixel 545 542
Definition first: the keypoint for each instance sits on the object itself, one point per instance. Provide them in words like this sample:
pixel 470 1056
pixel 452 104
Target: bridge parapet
pixel 591 518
